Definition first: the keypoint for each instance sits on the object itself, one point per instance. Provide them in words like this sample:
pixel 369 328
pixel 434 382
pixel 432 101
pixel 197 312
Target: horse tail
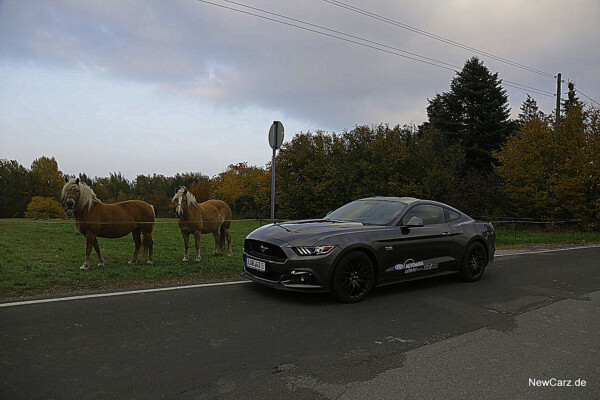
pixel 225 225
pixel 146 244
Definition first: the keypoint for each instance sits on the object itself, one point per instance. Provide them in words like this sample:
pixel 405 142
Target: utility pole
pixel 557 118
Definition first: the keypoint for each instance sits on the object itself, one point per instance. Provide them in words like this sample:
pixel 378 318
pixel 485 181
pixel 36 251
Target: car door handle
pixel 446 233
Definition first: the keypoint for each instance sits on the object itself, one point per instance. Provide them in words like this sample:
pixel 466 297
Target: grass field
pixel 43 257
pixel 507 239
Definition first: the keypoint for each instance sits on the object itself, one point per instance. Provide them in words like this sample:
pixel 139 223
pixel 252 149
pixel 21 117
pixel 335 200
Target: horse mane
pixel 87 197
pixel 191 199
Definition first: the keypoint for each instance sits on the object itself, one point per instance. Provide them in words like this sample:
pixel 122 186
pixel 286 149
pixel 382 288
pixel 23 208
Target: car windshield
pixel 372 212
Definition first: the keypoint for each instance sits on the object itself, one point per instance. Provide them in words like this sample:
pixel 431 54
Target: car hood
pixel 306 232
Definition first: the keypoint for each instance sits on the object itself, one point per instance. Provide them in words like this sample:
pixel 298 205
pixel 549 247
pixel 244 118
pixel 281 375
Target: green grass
pixel 43 257
pixel 508 239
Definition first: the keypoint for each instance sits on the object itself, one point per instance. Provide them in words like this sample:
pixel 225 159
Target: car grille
pixel 264 250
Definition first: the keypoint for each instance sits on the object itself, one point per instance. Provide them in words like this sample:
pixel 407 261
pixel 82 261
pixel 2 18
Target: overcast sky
pixel 163 87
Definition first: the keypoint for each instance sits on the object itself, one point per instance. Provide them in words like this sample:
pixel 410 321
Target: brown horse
pixel 208 217
pixel 96 219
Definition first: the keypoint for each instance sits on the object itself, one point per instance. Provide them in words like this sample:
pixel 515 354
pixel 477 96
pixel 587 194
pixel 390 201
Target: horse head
pixel 181 200
pixel 72 195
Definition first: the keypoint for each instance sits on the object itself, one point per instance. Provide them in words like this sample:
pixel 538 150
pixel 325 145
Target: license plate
pixel 255 264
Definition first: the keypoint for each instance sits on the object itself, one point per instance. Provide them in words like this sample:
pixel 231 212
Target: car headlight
pixel 313 250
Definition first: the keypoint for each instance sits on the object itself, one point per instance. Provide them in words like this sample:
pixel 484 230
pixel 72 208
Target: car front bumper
pixel 295 273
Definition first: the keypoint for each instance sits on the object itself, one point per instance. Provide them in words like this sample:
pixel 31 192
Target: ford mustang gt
pixel 366 243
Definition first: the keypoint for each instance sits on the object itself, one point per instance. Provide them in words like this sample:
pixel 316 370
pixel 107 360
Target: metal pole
pixel 556 125
pixel 273 188
pixel 557 118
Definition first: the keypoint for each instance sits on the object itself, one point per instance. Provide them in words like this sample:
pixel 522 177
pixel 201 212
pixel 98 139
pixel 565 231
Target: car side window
pixel 430 214
pixel 452 216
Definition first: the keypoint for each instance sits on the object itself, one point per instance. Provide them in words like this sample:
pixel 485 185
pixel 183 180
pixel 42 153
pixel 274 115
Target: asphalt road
pixel 532 317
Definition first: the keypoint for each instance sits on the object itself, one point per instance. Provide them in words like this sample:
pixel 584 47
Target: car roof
pixel 405 200
pixel 410 200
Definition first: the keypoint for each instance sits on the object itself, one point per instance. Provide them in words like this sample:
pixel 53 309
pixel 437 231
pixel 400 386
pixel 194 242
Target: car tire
pixel 474 262
pixel 353 278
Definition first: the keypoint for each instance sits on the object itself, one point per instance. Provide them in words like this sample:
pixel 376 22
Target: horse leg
pixel 138 243
pixel 89 243
pixel 197 237
pixel 186 244
pixel 100 259
pixel 217 249
pixel 148 244
pixel 228 234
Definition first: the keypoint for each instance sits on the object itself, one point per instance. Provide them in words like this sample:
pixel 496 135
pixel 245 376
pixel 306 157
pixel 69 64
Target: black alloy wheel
pixel 474 262
pixel 354 277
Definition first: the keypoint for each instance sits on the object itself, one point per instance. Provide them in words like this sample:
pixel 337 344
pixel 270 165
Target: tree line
pixel 35 192
pixel 469 154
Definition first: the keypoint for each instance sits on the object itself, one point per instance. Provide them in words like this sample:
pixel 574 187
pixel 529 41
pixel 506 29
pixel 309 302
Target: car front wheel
pixel 474 262
pixel 353 278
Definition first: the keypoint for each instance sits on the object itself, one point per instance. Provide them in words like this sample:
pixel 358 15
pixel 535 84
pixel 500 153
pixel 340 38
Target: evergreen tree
pixel 474 114
pixel 117 183
pixel 14 194
pixel 572 100
pixel 529 111
pixel 83 177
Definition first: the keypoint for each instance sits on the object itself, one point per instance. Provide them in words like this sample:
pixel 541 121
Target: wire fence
pixel 496 221
pixel 158 221
pixel 535 224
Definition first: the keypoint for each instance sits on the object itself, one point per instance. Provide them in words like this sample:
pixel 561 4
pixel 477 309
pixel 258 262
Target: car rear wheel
pixel 474 262
pixel 353 278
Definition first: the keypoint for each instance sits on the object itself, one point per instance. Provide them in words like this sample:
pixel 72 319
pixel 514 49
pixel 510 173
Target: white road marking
pixel 203 285
pixel 93 296
pixel 590 246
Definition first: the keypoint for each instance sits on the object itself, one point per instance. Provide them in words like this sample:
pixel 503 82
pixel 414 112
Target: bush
pixel 44 207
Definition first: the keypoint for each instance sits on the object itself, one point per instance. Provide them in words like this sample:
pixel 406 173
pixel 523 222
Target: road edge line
pixel 589 246
pixel 123 293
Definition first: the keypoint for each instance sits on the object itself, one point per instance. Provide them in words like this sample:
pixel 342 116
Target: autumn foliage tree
pixel 44 207
pixel 201 189
pixel 244 188
pixel 46 180
pixel 546 173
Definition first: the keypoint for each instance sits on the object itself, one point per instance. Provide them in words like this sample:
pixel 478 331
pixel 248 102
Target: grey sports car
pixel 366 243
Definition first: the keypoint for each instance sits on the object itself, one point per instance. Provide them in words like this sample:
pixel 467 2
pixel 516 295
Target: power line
pixel 335 36
pixel 524 87
pixel 369 43
pixel 585 95
pixel 342 33
pixel 436 37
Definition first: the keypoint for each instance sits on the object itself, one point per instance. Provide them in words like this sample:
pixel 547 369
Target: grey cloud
pixel 230 59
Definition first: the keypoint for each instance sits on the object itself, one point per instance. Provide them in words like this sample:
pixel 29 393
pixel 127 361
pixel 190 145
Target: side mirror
pixel 415 222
